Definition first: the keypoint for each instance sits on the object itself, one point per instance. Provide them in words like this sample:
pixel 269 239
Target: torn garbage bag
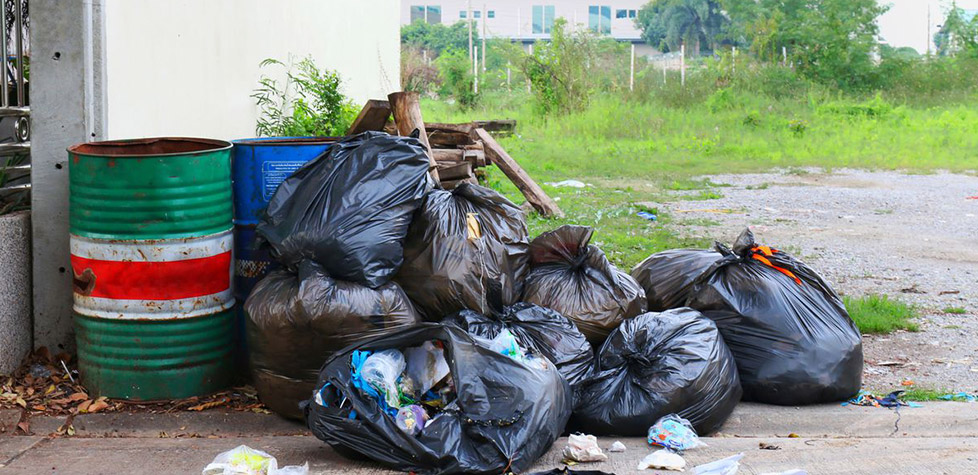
pixel 668 276
pixel 294 322
pixel 657 364
pixel 538 329
pixel 503 416
pixel 465 249
pixel 349 209
pixel 576 279
pixel 789 332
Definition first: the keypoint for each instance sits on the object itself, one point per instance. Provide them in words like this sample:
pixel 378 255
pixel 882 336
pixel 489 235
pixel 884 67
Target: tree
pixel 437 37
pixel 667 24
pixel 958 35
pixel 830 41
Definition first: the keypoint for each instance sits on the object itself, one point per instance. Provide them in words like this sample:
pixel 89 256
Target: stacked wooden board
pixel 457 152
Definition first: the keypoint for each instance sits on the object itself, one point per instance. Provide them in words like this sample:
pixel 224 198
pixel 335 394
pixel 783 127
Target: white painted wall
pixel 188 67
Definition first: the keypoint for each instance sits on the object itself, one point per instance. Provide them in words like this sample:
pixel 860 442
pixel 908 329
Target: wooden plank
pixel 448 154
pixel 465 128
pixel 448 139
pixel 533 193
pixel 373 116
pixel 476 157
pixel 500 126
pixel 455 172
pixel 406 107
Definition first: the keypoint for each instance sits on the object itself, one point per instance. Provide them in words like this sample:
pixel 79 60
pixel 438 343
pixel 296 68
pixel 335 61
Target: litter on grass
pixel 663 459
pixel 583 448
pixel 244 460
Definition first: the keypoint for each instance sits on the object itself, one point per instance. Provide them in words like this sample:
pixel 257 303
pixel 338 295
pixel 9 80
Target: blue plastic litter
pixel 961 396
pixel 647 215
pixel 356 361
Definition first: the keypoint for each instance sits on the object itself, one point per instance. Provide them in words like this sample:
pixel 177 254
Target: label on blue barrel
pixel 273 174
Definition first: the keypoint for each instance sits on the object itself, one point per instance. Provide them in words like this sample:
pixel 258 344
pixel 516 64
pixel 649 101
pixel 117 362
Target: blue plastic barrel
pixel 258 167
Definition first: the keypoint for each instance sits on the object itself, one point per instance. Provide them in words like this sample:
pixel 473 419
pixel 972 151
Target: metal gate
pixel 15 128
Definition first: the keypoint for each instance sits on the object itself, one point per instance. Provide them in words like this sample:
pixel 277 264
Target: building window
pixel 632 13
pixel 434 14
pixel 476 14
pixel 543 19
pixel 417 13
pixel 491 13
pixel 621 13
pixel 461 13
pixel 426 13
pixel 599 19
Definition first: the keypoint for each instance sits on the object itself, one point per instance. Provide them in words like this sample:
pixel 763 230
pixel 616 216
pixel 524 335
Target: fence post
pixel 475 70
pixel 682 65
pixel 631 74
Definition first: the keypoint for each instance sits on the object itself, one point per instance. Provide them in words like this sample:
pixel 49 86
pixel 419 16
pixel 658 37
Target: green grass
pixel 924 394
pixel 955 310
pixel 879 314
pixel 644 150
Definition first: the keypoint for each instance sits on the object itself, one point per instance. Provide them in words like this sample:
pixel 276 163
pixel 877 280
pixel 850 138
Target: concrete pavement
pixel 830 439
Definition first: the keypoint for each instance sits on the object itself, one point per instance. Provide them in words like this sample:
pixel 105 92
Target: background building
pixel 527 21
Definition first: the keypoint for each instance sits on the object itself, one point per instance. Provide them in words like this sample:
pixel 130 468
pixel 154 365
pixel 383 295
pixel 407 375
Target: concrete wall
pixel 514 18
pixel 188 67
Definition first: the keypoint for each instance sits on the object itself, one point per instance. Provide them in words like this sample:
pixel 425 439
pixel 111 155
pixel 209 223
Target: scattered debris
pixel 583 448
pixel 674 432
pixel 961 396
pixel 913 290
pixel 244 460
pixel 647 215
pixel 567 471
pixel 569 184
pixel 767 446
pixel 866 398
pixel 949 292
pixel 664 459
pixel 907 382
pixel 788 472
pixel 725 466
pixel 617 447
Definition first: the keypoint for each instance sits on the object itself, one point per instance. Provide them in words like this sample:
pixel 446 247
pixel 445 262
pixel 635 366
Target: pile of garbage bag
pixel 296 321
pixel 350 208
pixel 657 364
pixel 667 277
pixel 789 332
pixel 538 329
pixel 434 399
pixel 573 277
pixel 465 250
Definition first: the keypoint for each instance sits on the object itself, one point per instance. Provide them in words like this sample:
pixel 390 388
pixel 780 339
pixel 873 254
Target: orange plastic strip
pixel 767 251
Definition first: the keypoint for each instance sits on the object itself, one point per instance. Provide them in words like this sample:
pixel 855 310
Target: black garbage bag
pixel 788 330
pixel 576 279
pixel 295 322
pixel 349 209
pixel 465 249
pixel 668 276
pixel 538 329
pixel 657 364
pixel 505 416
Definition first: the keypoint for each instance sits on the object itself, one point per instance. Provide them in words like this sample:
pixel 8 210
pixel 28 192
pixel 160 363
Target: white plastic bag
pixel 244 460
pixel 583 448
pixel 426 366
pixel 663 459
pixel 727 466
pixel 382 370
pixel 617 447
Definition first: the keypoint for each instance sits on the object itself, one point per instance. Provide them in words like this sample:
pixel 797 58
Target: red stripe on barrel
pixel 126 280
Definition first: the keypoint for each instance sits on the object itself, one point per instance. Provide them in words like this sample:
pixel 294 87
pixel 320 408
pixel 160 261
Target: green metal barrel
pixel 151 252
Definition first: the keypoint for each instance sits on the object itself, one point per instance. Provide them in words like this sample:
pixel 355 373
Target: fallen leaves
pixel 49 385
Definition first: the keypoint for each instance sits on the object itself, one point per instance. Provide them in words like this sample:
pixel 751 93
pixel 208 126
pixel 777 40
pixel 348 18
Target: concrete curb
pixel 16 323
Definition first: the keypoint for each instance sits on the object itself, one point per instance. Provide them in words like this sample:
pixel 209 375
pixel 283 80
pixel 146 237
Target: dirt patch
pixel 912 237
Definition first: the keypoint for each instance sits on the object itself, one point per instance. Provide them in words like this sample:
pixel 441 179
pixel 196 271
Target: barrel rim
pixel 280 141
pixel 92 148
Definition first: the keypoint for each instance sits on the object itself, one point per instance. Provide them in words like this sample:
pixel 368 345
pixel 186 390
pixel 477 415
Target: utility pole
pixel 733 60
pixel 631 74
pixel 469 18
pixel 928 29
pixel 475 70
pixel 485 16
